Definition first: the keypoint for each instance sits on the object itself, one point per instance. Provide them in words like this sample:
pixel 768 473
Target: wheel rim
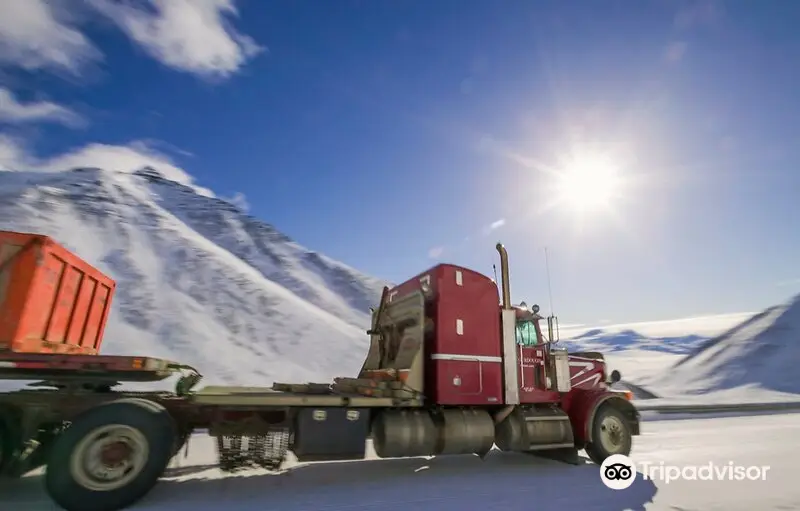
pixel 109 457
pixel 612 434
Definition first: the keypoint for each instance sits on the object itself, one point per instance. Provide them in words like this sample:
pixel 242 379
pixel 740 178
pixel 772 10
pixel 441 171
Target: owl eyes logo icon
pixel 618 472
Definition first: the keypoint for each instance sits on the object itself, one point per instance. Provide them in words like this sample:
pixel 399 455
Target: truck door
pixel 531 361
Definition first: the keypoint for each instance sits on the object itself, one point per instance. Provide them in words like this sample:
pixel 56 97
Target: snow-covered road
pixel 503 481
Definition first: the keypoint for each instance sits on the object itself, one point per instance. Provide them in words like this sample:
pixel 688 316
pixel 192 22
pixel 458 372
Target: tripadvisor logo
pixel 618 472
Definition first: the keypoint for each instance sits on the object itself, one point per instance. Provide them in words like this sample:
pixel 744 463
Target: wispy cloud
pixel 436 252
pixel 493 226
pixel 497 224
pixel 167 147
pixel 36 34
pixel 14 156
pixel 195 36
pixel 490 145
pixel 692 16
pixel 675 51
pixel 239 200
pixel 698 13
pixel 13 111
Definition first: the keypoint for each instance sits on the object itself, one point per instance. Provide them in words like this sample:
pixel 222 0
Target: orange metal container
pixel 51 301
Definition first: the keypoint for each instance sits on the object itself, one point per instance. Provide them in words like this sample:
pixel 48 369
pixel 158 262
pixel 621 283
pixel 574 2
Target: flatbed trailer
pixel 42 425
pixel 448 371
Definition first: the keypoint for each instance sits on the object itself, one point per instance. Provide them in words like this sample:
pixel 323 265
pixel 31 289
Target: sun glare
pixel 588 183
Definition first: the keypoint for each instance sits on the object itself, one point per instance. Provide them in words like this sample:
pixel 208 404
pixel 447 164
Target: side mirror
pixel 535 309
pixel 552 330
pixel 615 376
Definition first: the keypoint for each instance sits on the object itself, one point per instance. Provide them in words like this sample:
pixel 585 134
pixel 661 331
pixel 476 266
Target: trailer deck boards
pixel 263 396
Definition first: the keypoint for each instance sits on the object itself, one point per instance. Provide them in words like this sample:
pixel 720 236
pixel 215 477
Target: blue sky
pixel 385 133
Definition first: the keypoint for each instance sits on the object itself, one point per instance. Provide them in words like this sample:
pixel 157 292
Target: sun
pixel 588 183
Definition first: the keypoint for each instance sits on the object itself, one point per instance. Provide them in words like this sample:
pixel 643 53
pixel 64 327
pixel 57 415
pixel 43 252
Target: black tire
pixel 602 444
pixel 4 450
pixel 9 437
pixel 144 420
pixel 593 455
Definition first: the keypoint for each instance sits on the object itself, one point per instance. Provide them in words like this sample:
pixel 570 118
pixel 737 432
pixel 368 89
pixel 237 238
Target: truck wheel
pixel 611 435
pixel 111 456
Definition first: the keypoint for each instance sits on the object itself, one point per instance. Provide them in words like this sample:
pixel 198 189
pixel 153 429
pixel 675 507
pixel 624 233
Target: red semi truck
pixel 450 369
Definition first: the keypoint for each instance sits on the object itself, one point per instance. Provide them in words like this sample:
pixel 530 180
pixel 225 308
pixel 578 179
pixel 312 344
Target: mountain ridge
pixel 200 280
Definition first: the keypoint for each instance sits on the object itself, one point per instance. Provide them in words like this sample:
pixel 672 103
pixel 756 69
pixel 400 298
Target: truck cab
pixel 446 335
pixel 451 338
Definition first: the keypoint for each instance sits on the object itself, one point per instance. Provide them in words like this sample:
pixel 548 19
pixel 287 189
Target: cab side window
pixel 526 334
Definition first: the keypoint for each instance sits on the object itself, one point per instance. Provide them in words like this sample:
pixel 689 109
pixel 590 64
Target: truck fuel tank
pixel 533 429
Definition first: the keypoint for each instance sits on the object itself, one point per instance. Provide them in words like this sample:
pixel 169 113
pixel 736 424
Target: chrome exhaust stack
pixel 508 318
pixel 504 275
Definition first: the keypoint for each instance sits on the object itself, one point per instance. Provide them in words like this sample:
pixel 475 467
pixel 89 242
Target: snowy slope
pixel 199 280
pixel 762 353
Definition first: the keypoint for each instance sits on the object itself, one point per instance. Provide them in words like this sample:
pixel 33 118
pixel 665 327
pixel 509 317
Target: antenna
pixel 494 269
pixel 549 286
pixel 550 292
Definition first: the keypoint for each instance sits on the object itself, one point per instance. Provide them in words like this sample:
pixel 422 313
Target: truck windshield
pixel 526 333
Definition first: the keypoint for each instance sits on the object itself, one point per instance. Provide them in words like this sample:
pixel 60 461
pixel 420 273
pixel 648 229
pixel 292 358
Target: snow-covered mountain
pixel 199 280
pixel 760 353
pixel 607 341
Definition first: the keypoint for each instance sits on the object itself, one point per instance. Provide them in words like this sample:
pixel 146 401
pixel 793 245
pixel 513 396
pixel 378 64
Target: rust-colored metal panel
pixel 98 312
pixel 51 300
pixel 83 302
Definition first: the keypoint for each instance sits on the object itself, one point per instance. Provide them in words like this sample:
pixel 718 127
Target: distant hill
pixel 761 352
pixel 614 341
